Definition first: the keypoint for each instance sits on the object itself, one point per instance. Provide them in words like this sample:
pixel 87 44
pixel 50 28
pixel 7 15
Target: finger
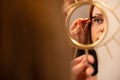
pixel 89 78
pixel 74 24
pixel 90 59
pixel 89 70
pixel 88 21
pixel 78 28
pixel 78 60
pixel 85 22
pixel 75 31
pixel 77 69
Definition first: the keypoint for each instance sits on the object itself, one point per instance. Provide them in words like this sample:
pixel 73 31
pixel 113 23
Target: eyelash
pixel 97 20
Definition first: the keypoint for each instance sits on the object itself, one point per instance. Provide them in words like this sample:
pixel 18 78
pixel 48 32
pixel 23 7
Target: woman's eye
pixel 97 20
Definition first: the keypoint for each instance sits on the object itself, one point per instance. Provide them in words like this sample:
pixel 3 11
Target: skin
pixel 77 30
pixel 81 70
pixel 98 24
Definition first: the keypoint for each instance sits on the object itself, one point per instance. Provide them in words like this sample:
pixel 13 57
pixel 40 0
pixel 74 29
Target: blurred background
pixel 33 43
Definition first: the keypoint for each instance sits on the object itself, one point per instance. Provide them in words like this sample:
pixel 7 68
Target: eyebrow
pixel 97 15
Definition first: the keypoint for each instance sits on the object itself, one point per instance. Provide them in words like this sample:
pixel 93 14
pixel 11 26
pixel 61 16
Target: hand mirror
pixel 86 24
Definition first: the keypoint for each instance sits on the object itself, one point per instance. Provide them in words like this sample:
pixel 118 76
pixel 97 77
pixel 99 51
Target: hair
pixel 90 16
pixel 66 6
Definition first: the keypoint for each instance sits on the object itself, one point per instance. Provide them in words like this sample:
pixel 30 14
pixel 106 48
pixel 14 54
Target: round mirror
pixel 86 24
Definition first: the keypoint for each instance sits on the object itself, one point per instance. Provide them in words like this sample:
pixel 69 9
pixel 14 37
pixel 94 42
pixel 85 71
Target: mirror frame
pixel 73 8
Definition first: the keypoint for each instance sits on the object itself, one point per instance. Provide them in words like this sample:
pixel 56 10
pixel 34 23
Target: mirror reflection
pixel 89 24
pixel 98 24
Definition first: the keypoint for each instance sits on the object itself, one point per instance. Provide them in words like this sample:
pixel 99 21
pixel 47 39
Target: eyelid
pixel 93 17
pixel 96 17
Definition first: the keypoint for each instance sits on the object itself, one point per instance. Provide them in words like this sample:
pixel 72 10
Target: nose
pixel 101 29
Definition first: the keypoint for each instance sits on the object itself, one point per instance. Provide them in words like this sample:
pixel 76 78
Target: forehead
pixel 96 11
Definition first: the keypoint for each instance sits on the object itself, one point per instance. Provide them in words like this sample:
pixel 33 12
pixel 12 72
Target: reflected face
pixel 98 24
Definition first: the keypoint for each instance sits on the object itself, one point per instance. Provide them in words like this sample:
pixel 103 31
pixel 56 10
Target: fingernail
pixel 79 21
pixel 85 61
pixel 88 21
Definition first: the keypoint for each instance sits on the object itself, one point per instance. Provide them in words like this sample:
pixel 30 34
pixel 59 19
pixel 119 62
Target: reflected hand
pixel 81 70
pixel 79 31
